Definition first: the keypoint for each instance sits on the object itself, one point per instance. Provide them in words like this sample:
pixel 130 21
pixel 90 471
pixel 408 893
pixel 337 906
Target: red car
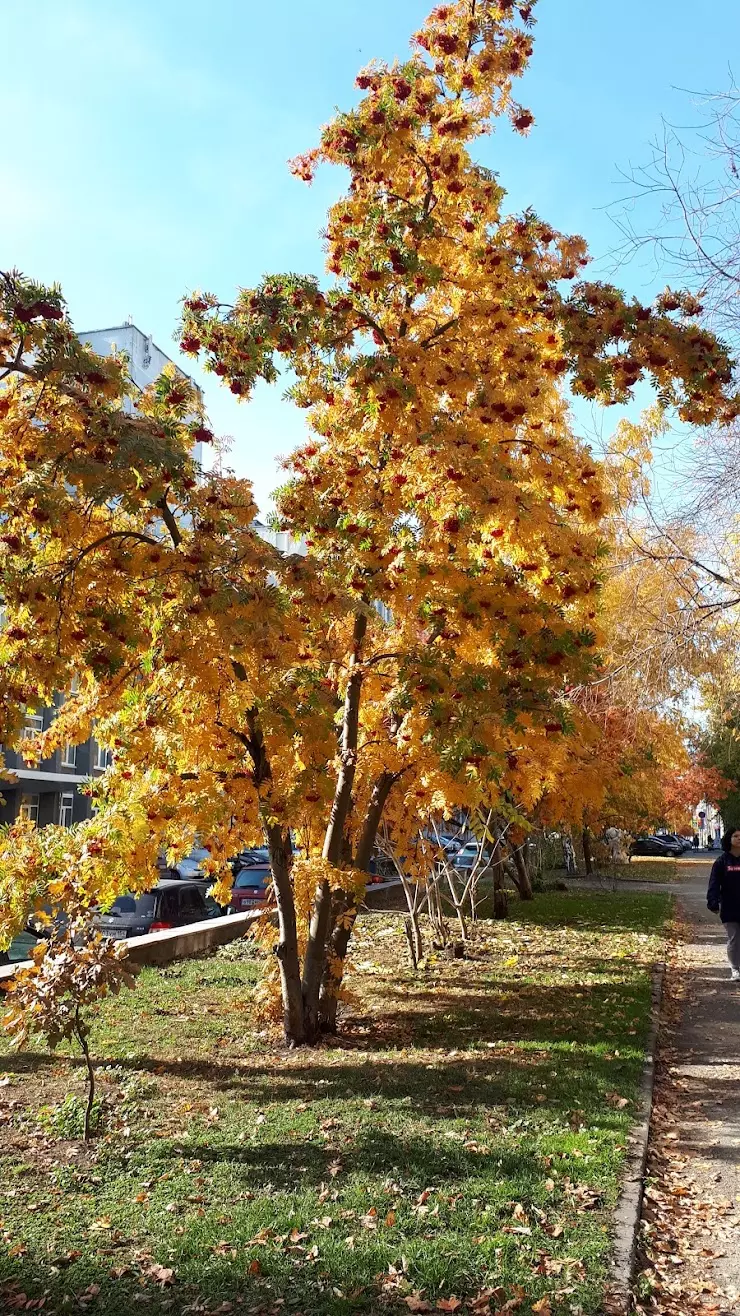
pixel 250 889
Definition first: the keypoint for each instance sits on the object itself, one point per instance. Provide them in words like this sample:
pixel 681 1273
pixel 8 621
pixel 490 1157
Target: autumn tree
pixel 118 559
pixel 683 791
pixel 442 478
pixel 453 518
pixel 718 744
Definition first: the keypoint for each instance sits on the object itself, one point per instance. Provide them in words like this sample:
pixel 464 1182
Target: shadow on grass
pixel 547 1059
pixel 395 1140
pixel 549 1086
pixel 584 1019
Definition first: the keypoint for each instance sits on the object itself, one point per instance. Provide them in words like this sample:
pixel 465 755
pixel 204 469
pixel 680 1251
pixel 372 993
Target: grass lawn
pixel 644 869
pixel 459 1148
pixel 639 869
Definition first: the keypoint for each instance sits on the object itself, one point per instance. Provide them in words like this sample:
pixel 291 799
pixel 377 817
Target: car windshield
pixel 249 877
pixel 142 905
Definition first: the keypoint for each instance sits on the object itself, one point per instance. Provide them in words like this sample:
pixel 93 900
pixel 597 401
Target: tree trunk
pixel 287 947
pixel 587 859
pixel 412 925
pixel 334 838
pixel 456 901
pixel 279 845
pixel 437 912
pixel 82 1039
pixel 500 903
pixel 523 882
pixel 315 966
pixel 346 907
pixel 314 963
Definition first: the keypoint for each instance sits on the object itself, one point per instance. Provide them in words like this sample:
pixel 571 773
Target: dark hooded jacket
pixel 723 896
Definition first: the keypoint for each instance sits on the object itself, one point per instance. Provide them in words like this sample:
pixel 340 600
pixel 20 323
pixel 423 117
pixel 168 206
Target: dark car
pixel 21 947
pixel 250 889
pixel 172 903
pixel 257 857
pixel 673 842
pixel 655 846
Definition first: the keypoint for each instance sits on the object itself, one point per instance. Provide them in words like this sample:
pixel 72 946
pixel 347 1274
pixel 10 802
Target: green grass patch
pixel 645 869
pixel 465 1135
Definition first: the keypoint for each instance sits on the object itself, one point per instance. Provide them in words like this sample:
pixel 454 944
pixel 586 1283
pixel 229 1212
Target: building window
pixel 30 808
pixel 101 757
pixel 69 756
pixel 33 725
pixel 66 808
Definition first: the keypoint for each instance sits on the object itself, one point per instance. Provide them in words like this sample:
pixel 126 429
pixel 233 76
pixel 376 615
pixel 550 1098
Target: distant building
pixel 708 823
pixel 280 539
pixel 146 361
pixel 50 793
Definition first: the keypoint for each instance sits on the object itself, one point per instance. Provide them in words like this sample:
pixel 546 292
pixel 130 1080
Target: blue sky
pixel 146 145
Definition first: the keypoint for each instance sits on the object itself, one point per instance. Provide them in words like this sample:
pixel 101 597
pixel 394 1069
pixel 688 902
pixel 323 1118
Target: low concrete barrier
pixel 171 943
pixel 178 943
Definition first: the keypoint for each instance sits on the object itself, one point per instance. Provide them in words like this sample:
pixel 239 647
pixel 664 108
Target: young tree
pixel 70 974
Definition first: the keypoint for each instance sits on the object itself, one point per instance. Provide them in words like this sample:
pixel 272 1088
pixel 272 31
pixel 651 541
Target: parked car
pixel 21 947
pixel 669 838
pixel 470 854
pixel 655 846
pixel 250 889
pixel 451 844
pixel 172 903
pixel 257 857
pixel 191 865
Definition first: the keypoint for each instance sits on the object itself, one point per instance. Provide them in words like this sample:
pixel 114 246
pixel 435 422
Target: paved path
pixel 696 1128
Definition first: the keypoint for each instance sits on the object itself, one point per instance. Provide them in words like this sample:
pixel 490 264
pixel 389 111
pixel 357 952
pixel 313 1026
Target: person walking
pixel 723 895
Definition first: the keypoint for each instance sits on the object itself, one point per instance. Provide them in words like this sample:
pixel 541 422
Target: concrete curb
pixel 171 943
pixel 629 1207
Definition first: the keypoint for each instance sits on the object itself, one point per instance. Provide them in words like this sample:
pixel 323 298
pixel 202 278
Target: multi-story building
pixel 50 793
pixel 146 361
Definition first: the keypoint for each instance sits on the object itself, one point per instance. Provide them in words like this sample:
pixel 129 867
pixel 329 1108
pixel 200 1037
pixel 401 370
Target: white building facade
pixel 50 792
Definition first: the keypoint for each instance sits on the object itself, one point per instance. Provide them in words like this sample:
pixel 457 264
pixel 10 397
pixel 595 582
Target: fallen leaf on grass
pixel 161 1274
pixel 449 1304
pixel 66 1258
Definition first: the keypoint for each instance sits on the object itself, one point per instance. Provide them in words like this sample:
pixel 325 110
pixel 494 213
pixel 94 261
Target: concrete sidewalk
pixel 693 1208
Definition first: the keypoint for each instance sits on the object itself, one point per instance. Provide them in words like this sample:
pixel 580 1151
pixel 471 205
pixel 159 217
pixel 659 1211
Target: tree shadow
pixel 522 1060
